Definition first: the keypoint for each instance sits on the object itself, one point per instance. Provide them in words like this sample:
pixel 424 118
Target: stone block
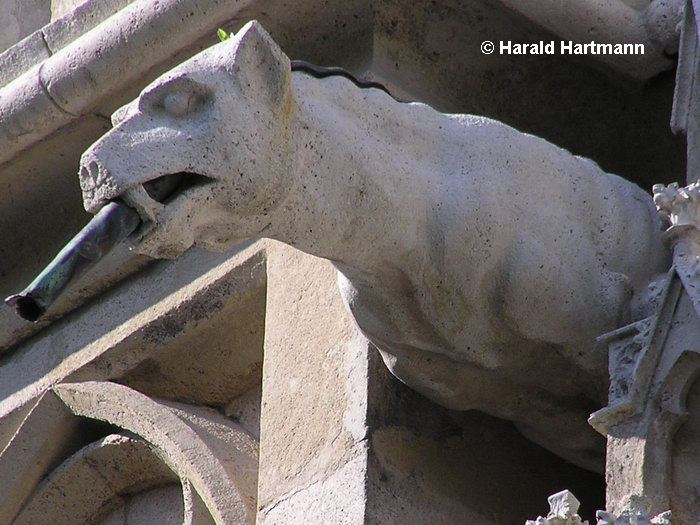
pixel 313 421
pixel 343 441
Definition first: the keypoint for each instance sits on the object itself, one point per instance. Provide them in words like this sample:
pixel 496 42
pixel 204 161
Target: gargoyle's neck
pixel 347 198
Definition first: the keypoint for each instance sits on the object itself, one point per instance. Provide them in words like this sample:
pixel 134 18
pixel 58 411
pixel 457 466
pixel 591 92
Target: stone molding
pixel 614 22
pixel 160 443
pixel 218 458
pixel 72 82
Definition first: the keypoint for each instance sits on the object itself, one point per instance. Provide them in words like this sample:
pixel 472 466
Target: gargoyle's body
pixel 481 261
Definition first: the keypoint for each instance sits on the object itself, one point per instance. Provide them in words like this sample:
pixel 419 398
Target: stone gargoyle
pixel 482 262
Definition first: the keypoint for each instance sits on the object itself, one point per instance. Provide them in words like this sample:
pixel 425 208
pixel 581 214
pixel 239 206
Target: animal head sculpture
pixel 221 122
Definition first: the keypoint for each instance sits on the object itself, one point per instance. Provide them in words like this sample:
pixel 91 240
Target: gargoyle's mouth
pixel 167 188
pixel 163 203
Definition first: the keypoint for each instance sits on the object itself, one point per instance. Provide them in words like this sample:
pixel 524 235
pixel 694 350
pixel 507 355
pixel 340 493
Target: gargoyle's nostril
pixel 166 188
pixel 90 172
pixel 90 175
pixel 94 170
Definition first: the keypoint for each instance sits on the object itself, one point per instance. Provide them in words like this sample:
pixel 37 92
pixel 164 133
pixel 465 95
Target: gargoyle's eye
pixel 177 97
pixel 179 103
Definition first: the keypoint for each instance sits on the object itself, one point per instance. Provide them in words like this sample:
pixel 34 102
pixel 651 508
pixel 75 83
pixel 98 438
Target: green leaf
pixel 222 34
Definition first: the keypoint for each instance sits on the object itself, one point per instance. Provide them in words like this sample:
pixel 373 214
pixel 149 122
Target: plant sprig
pixel 223 35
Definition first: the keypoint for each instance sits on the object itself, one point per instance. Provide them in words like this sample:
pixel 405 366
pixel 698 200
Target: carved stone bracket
pixel 653 365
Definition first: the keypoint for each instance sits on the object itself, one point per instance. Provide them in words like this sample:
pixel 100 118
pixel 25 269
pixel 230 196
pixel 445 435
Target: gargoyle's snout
pixel 97 186
pixel 100 186
pixel 109 172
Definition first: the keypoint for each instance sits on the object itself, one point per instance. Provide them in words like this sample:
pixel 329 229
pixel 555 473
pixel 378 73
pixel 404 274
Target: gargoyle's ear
pixel 261 64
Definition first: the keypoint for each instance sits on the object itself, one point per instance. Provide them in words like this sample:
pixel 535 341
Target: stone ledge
pixel 174 298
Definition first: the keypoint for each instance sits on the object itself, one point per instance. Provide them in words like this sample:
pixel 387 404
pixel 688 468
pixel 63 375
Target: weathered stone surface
pixel 563 507
pixel 95 67
pixel 96 479
pixel 245 410
pixel 187 347
pixel 195 511
pixel 124 477
pixel 314 405
pixel 685 96
pixel 686 461
pixel 68 23
pixel 18 18
pixel 47 434
pixel 159 506
pixel 21 57
pixel 60 8
pixel 431 54
pixel 73 18
pixel 648 470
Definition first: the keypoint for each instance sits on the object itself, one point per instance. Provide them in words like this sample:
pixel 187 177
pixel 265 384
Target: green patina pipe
pixel 112 224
